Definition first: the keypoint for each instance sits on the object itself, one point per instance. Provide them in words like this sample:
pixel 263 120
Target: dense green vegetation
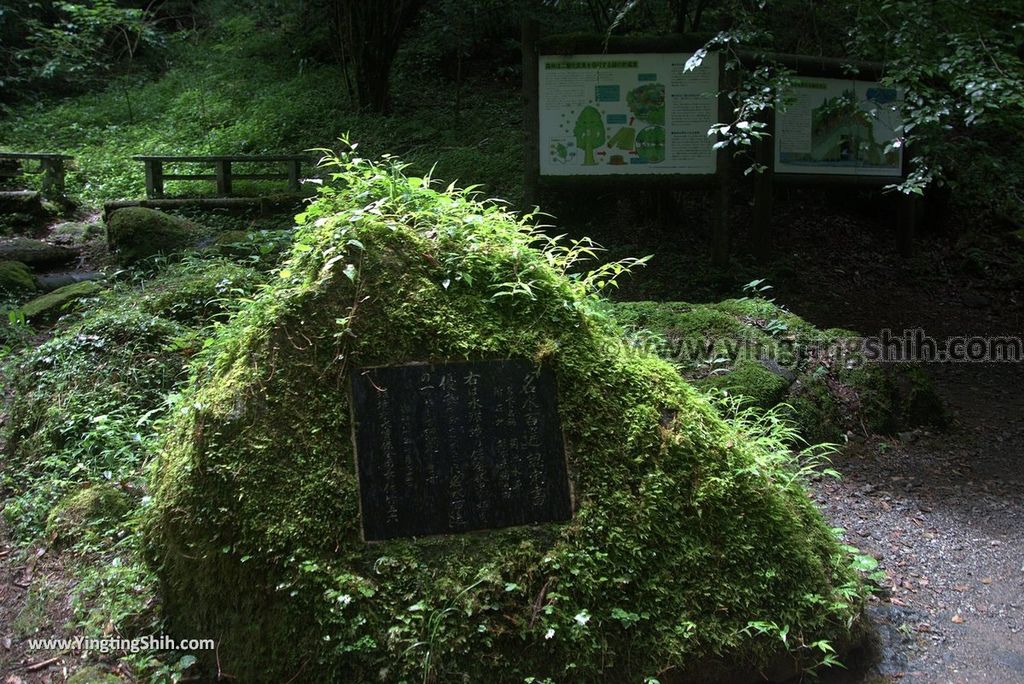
pixel 172 430
pixel 73 469
pixel 232 89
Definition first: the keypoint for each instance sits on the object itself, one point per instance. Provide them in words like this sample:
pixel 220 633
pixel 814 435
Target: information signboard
pixel 626 114
pixel 453 447
pixel 839 127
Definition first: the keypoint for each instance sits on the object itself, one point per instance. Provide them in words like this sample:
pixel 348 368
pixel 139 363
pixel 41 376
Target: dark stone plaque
pixel 446 448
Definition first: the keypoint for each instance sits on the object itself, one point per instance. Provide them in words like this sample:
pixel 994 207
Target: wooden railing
pixel 224 173
pixel 51 165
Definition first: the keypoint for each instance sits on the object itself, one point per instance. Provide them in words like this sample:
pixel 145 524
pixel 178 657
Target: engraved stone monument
pixel 453 447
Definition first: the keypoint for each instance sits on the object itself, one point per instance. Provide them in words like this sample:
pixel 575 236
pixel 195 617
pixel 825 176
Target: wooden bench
pixel 223 172
pixel 51 165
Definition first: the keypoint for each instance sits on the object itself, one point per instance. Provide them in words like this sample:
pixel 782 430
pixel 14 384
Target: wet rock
pixel 51 304
pixel 35 252
pixel 52 281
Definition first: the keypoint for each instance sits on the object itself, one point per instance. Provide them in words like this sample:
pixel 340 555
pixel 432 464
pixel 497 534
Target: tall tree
pixel 369 33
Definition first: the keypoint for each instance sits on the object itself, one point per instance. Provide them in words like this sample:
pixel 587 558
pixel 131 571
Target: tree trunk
pixel 369 34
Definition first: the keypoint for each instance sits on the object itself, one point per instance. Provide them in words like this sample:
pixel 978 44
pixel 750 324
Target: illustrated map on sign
pixel 839 126
pixel 619 114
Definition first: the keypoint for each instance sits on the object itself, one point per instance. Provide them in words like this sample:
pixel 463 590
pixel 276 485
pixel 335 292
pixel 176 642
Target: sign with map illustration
pixel 627 114
pixel 839 126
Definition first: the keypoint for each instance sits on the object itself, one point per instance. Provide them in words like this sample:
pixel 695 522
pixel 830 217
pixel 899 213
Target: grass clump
pixel 692 542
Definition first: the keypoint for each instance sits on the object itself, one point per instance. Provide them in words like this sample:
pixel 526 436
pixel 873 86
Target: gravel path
pixel 944 514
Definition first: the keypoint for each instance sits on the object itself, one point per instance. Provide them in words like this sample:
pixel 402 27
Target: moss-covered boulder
pixel 690 543
pixel 137 233
pixel 16 278
pixel 768 356
pixel 87 511
pixel 51 304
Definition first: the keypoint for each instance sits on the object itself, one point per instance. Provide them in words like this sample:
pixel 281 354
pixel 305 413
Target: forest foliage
pixel 960 64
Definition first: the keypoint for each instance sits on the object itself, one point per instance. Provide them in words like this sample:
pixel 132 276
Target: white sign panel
pixel 839 126
pixel 626 114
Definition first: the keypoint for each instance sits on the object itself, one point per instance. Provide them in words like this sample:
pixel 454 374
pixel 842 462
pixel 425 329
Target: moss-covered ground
pixel 80 421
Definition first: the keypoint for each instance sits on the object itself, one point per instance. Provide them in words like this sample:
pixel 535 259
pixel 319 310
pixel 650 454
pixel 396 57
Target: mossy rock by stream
pixel 52 304
pixel 691 543
pixel 137 233
pixel 766 355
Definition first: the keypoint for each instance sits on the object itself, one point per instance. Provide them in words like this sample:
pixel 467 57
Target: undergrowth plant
pixel 82 416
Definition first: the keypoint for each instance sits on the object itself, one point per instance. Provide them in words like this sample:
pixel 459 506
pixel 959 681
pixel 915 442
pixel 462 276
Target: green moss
pixel 16 278
pixel 136 233
pixel 678 541
pixel 732 345
pixel 196 292
pixel 751 380
pixel 820 416
pixel 93 675
pixel 87 511
pixel 52 303
pixel 895 396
